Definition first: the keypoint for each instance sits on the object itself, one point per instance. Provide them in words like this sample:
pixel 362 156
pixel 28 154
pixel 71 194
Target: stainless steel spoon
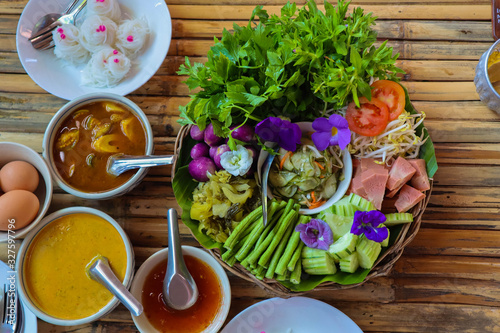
pixel 179 288
pixel 48 19
pixel 100 271
pixel 118 164
pixel 265 176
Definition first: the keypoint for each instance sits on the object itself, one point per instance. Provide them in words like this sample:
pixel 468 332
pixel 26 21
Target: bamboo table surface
pixel 448 279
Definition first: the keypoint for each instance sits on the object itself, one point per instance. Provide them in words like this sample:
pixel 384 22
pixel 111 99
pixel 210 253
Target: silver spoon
pixel 118 164
pixel 179 288
pixel 265 176
pixel 48 19
pixel 100 271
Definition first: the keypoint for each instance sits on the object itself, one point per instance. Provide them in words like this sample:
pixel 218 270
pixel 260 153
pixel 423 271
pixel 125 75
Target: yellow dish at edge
pixel 54 267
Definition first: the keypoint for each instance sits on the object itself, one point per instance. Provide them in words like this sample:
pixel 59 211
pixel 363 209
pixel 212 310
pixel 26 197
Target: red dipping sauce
pixel 192 320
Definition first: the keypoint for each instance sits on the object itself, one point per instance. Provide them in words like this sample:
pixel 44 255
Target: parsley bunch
pixel 296 65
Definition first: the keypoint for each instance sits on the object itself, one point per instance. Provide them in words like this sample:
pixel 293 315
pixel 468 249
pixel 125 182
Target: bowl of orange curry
pixel 52 264
pixel 85 133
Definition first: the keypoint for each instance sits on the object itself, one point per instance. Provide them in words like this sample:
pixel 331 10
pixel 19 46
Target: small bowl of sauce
pixel 209 312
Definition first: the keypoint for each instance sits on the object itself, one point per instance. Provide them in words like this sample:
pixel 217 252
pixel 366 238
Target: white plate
pixel 29 319
pixel 293 315
pixel 62 79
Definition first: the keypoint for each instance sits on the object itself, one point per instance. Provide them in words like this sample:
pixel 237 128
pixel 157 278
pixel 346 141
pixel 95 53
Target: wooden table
pixel 448 279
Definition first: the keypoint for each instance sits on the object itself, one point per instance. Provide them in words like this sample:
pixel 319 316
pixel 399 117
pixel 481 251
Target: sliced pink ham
pixel 400 173
pixel 408 197
pixel 356 185
pixel 392 193
pixel 374 180
pixel 370 164
pixel 420 180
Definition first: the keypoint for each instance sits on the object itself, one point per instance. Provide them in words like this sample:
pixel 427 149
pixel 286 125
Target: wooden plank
pixel 396 11
pixel 429 70
pixel 422 317
pixel 473 197
pixel 480 243
pixel 239 10
pixel 470 175
pixel 463 131
pixel 468 153
pixel 448 267
pixel 390 29
pixel 441 91
pixel 463 218
pixel 456 110
pixel 446 290
pixel 438 50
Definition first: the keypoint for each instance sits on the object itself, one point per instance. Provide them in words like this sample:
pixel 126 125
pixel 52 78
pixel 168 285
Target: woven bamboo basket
pixel 382 267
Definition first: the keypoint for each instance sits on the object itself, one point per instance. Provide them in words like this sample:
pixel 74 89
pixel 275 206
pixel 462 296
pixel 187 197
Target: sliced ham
pixel 374 180
pixel 408 197
pixel 401 172
pixel 370 164
pixel 420 180
pixel 392 193
pixel 356 185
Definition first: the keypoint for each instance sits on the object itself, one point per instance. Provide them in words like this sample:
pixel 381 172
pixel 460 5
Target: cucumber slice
pixel 346 209
pixel 344 246
pixel 340 225
pixel 385 242
pixel 367 251
pixel 308 253
pixel 319 266
pixel 398 218
pixel 350 263
pixel 361 203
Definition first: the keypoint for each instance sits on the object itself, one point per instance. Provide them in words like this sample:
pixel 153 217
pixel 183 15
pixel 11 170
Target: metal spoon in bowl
pixel 48 19
pixel 99 270
pixel 179 288
pixel 118 164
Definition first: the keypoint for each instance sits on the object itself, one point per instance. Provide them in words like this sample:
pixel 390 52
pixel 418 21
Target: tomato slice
pixel 369 119
pixel 392 94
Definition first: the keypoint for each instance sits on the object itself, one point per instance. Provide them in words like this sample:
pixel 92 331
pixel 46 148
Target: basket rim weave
pixel 382 266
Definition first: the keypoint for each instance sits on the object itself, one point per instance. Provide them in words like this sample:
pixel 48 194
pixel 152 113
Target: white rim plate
pixel 62 79
pixel 29 319
pixel 293 315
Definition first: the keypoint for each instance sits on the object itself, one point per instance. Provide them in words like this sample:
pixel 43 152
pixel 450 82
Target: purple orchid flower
pixel 283 132
pixel 368 223
pixel 316 234
pixel 330 132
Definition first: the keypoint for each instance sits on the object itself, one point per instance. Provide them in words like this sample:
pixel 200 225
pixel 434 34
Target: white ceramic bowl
pixel 10 151
pixel 342 186
pixel 143 324
pixel 63 80
pixel 22 254
pixel 58 119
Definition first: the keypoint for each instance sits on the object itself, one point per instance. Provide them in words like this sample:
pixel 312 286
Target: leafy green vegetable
pixel 296 65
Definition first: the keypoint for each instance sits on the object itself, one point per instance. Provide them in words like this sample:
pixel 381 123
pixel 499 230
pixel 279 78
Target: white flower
pixel 237 162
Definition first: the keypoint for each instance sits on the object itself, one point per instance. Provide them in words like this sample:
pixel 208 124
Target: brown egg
pixel 18 207
pixel 18 175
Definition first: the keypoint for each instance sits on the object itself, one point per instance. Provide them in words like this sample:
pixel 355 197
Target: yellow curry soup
pixel 55 265
pixel 88 137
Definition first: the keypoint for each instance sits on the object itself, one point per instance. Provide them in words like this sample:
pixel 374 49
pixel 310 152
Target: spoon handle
pixel 103 274
pixel 118 164
pixel 174 247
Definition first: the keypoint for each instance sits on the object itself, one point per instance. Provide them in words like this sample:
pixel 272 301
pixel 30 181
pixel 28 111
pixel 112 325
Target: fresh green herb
pixel 296 65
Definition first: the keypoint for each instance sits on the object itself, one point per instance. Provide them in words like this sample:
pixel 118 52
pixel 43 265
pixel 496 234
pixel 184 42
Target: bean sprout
pixel 399 139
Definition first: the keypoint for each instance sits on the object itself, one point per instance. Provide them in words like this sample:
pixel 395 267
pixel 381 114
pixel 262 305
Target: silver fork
pixel 8 324
pixel 43 39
